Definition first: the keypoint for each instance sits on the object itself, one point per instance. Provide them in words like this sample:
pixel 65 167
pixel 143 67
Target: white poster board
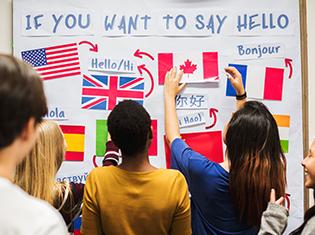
pixel 91 54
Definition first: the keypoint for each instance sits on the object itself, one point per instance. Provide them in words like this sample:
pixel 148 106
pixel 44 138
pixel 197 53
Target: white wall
pixel 6 26
pixel 311 64
pixel 6 47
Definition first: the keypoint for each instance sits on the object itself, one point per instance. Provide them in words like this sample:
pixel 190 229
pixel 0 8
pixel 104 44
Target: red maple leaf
pixel 188 67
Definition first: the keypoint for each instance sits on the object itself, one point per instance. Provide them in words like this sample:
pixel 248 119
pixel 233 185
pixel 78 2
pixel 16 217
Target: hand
pixel 171 83
pixel 280 201
pixel 236 80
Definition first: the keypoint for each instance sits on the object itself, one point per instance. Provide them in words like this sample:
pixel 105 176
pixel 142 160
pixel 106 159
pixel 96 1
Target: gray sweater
pixel 274 221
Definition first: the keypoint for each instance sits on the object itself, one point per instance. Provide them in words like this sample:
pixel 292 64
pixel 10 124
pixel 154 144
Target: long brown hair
pixel 36 173
pixel 257 163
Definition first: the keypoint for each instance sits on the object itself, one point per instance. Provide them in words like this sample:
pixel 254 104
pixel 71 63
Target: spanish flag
pixel 283 123
pixel 74 136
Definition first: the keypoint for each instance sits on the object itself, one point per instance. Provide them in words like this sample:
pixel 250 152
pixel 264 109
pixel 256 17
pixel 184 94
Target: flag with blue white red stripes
pixel 103 92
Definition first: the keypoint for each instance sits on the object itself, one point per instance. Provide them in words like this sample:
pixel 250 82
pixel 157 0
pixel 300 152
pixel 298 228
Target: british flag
pixel 55 61
pixel 105 91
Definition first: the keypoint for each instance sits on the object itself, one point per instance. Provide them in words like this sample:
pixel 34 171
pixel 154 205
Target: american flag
pixel 54 62
pixel 105 91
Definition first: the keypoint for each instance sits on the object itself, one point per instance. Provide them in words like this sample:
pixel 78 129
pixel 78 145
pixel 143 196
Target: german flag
pixel 283 123
pixel 74 136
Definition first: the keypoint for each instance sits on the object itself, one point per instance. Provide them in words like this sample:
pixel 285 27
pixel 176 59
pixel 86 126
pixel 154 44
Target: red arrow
pixel 212 112
pixel 143 68
pixel 287 62
pixel 139 54
pixel 94 47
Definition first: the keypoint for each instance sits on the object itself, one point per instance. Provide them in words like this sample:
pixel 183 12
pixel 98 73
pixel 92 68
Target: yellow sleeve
pixel 91 223
pixel 181 224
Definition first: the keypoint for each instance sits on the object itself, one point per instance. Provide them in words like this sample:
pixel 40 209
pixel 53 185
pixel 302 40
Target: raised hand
pixel 171 83
pixel 236 80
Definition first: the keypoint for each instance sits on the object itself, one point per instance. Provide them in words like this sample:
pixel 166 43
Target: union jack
pixel 105 91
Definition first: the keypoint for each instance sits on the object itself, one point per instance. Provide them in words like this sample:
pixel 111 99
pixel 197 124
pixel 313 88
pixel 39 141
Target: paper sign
pixel 191 101
pixel 191 119
pixel 121 65
pixel 259 51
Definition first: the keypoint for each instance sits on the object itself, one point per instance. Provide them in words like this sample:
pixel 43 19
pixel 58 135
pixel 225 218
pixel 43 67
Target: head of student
pixel 129 125
pixel 36 173
pixel 257 163
pixel 23 104
pixel 309 167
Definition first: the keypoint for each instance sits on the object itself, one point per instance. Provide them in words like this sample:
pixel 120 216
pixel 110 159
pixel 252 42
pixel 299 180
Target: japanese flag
pixel 197 67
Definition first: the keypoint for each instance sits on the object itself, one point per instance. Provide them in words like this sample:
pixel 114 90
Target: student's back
pixel 23 104
pixel 141 203
pixel 134 198
pixel 212 207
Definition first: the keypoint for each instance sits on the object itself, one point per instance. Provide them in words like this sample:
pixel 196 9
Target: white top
pixel 21 213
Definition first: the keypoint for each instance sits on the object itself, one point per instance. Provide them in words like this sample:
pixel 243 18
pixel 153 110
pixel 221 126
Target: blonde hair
pixel 36 173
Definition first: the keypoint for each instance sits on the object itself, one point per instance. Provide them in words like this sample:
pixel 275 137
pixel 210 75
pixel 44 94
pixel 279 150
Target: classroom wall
pixel 311 63
pixel 6 26
pixel 6 47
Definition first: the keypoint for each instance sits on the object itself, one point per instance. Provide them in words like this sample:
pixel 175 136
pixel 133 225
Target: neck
pixel 7 164
pixel 138 162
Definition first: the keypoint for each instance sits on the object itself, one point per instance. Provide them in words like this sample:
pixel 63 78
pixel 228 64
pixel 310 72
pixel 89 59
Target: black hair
pixel 21 98
pixel 129 125
pixel 257 163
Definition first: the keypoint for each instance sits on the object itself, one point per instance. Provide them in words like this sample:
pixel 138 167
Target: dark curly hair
pixel 21 98
pixel 129 125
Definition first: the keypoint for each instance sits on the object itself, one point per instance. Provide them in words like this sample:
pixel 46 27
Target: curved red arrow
pixel 287 62
pixel 212 112
pixel 139 54
pixel 94 161
pixel 94 47
pixel 143 68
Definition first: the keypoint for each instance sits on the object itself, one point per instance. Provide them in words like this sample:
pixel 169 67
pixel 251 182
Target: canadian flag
pixel 197 67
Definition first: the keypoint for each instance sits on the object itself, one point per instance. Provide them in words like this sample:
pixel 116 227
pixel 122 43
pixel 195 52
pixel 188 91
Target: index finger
pixel 272 195
pixel 232 71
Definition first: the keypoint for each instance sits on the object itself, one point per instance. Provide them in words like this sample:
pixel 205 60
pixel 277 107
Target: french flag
pixel 197 67
pixel 209 144
pixel 259 82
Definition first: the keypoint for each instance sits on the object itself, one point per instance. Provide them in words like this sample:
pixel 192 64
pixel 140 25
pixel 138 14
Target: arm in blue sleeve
pixel 187 161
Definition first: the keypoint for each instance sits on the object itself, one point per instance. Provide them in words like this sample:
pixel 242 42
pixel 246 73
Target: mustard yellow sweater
pixel 121 202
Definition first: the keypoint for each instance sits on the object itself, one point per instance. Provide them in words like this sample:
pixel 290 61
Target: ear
pixel 29 130
pixel 151 133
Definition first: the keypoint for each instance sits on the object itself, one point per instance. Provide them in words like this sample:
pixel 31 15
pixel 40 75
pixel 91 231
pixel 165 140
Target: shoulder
pixel 33 213
pixel 171 175
pixel 101 171
pixel 309 227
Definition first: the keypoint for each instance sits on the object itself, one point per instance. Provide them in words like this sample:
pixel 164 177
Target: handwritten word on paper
pixel 257 51
pixel 55 113
pixel 76 22
pixel 191 119
pixel 197 22
pixel 192 101
pixel 112 64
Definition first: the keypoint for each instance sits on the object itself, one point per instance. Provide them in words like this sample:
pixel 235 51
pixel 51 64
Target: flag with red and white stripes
pixel 55 61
